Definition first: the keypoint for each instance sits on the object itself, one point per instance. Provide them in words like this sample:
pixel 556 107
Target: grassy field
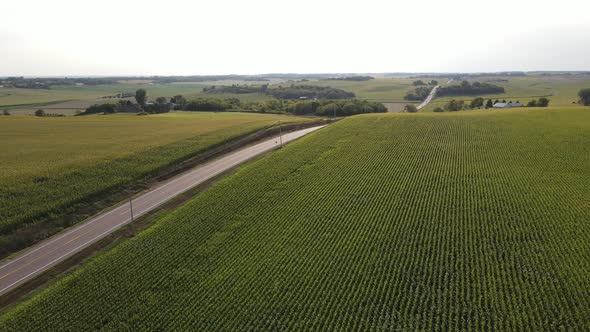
pixel 69 99
pixel 49 165
pixel 453 221
pixel 378 89
pixel 561 90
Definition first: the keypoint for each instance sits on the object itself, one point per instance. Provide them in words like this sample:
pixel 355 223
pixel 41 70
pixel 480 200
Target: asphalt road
pixel 429 98
pixel 33 261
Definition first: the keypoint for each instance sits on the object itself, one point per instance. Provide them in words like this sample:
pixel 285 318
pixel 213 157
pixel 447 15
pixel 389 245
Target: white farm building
pixel 508 105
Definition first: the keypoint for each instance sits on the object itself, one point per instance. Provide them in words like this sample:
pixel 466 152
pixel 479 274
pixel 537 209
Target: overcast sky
pixel 176 37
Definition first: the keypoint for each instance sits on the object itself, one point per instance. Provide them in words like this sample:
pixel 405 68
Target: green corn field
pixel 51 166
pixel 455 221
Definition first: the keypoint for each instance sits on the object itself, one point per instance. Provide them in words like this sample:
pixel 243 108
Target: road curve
pixel 429 98
pixel 33 261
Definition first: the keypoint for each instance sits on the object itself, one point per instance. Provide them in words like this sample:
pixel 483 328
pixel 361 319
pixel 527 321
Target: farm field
pixel 49 166
pixel 561 90
pixel 17 98
pixel 380 89
pixel 453 221
pixel 69 99
pixel 69 107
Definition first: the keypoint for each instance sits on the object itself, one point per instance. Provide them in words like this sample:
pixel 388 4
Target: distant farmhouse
pixel 508 105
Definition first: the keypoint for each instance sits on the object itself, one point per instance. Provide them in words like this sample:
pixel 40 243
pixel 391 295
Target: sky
pixel 178 37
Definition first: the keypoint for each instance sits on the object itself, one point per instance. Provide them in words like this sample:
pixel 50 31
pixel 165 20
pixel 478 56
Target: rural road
pixel 42 256
pixel 429 98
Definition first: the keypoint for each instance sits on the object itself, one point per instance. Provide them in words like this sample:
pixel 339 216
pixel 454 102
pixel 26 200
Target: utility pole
pixel 131 209
pixel 280 134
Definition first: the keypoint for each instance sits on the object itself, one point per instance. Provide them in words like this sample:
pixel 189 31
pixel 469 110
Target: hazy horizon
pixel 302 73
pixel 132 38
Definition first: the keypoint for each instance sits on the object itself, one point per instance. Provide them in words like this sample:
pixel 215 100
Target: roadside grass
pixel 455 221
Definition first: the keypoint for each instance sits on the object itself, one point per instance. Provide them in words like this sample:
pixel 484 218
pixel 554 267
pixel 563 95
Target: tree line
pixel 421 82
pixel 418 94
pixel 321 107
pixel 584 95
pixel 479 102
pixel 291 92
pixel 468 89
pixel 357 78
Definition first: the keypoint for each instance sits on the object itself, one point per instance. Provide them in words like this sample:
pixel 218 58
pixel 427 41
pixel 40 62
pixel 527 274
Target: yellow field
pixel 48 165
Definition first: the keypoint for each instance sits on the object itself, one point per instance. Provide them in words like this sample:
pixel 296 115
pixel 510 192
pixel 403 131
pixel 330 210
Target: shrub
pixel 107 108
pixel 411 108
pixel 584 95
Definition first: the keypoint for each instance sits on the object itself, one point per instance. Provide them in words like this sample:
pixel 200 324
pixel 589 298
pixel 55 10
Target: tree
pixel 467 89
pixel 584 95
pixel 5 112
pixel 418 82
pixel 454 105
pixel 141 97
pixel 39 113
pixel 411 108
pixel 179 100
pixel 438 109
pixel 477 102
pixel 543 102
pixel 489 104
pixel 532 103
pixel 434 82
pixel 161 100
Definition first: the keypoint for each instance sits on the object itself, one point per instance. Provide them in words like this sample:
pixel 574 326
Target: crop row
pixel 473 221
pixel 52 167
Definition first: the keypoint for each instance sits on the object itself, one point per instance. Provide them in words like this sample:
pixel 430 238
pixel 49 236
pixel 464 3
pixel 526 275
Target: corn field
pixel 50 167
pixel 462 221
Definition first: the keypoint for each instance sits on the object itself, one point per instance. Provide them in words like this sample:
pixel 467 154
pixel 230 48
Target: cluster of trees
pixel 236 88
pixel 468 89
pixel 420 82
pixel 160 105
pixel 290 92
pixel 42 113
pixel 411 108
pixel 541 102
pixel 309 92
pixel 584 95
pixel 334 108
pixel 358 78
pixel 212 104
pixel 454 105
pixel 419 94
pixel 107 108
pixel 458 105
pixel 321 107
